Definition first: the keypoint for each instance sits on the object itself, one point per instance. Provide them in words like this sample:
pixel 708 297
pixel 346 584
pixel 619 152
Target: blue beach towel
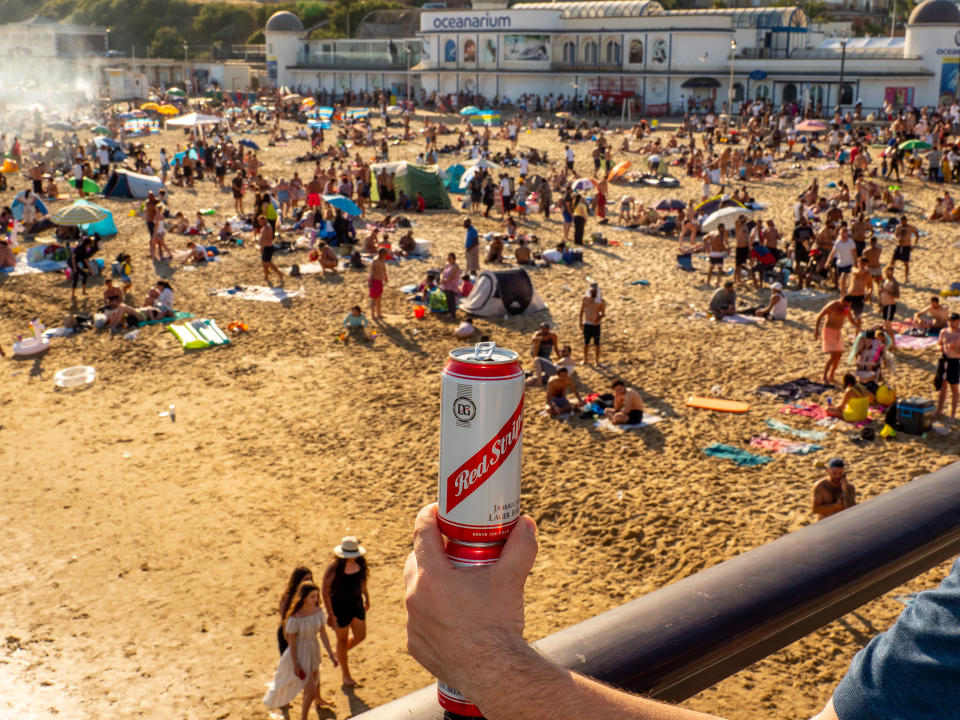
pixel 740 457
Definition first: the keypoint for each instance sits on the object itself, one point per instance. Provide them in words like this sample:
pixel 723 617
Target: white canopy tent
pixel 194 119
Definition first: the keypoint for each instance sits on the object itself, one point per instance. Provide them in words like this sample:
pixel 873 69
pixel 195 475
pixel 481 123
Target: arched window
pixel 569 52
pixel 762 92
pixel 613 53
pixel 590 53
pixel 846 94
pixel 789 93
pixel 737 92
pixel 636 52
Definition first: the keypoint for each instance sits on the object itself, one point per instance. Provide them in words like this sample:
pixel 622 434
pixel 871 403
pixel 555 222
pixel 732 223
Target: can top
pixel 485 353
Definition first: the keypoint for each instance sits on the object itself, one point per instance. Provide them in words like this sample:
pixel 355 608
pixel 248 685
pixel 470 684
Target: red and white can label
pixel 451 699
pixel 481 433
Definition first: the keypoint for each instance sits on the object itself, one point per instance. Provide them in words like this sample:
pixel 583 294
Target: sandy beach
pixel 143 558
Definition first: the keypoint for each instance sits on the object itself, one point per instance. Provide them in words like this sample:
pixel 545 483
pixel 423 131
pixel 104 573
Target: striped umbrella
pixel 77 214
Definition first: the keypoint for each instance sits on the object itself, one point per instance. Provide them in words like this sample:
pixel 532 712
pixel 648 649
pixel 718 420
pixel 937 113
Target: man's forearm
pixel 525 686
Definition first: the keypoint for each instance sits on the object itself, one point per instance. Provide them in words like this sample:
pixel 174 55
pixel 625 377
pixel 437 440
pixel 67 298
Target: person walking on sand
pixel 376 281
pixel 300 575
pixel 472 246
pixel 299 667
pixel 592 311
pixel 907 238
pixel 949 342
pixel 889 294
pixel 718 248
pixel 834 493
pixel 346 599
pixel 835 312
pixel 265 236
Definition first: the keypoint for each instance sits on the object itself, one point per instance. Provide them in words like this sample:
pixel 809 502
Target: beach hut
pixel 425 179
pixel 127 184
pixel 503 292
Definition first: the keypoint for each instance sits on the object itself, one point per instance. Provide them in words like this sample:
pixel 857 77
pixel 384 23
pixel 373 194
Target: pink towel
pixel 810 410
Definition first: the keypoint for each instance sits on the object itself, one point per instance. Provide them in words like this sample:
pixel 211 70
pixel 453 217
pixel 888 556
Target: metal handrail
pixel 685 637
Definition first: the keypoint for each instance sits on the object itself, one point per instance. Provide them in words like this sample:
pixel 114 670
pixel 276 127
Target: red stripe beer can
pixel 481 424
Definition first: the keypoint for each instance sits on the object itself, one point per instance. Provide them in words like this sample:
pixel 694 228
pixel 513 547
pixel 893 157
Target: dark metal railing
pixel 685 637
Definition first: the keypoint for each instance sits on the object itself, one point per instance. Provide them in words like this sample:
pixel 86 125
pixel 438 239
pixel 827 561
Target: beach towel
pixel 794 389
pixel 607 424
pixel 911 342
pixel 258 292
pixel 178 315
pixel 308 269
pixel 742 319
pixel 797 432
pixel 810 410
pixel 740 457
pixel 783 445
pixel 34 268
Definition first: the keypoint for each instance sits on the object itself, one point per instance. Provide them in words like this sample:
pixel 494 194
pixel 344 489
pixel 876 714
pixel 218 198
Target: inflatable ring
pixel 74 376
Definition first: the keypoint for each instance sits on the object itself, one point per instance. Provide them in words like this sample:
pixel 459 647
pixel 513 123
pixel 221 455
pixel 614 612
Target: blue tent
pixel 127 184
pixel 105 227
pixel 17 206
pixel 452 175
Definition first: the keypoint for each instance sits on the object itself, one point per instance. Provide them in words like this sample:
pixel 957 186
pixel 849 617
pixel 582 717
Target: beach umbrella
pixel 234 111
pixel 342 202
pixel 79 214
pixel 250 144
pixel 618 170
pixel 811 126
pixel 482 163
pixel 468 176
pixel 150 106
pixel 292 97
pixel 715 203
pixel 309 102
pixel 176 92
pixel 258 108
pixel 469 110
pixel 670 204
pixel 584 184
pixel 101 130
pixel 726 215
pixel 168 110
pixel 914 145
pixel 89 185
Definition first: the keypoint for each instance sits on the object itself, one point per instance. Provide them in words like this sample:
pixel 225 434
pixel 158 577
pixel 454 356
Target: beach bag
pixel 437 301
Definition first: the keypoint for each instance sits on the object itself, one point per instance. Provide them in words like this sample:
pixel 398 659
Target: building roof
pixel 597 8
pixel 935 12
pixel 284 21
pixel 389 24
pixel 756 17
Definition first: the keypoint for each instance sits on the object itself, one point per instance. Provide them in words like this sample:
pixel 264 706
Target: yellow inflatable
pixel 886 395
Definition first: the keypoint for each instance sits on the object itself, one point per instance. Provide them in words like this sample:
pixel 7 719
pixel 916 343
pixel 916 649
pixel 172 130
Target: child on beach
pixel 355 323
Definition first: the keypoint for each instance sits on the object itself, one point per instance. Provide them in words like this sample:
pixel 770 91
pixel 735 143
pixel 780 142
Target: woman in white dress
pixel 299 667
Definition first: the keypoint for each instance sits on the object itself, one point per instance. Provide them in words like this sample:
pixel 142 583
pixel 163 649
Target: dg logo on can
pixel 464 410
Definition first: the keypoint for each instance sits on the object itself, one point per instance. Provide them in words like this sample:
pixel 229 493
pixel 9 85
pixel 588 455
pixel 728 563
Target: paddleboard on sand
pixel 707 403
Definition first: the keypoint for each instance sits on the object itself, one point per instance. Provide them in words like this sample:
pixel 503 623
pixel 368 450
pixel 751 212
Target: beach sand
pixel 143 559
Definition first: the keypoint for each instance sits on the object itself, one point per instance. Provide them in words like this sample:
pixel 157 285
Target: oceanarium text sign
pixel 473 21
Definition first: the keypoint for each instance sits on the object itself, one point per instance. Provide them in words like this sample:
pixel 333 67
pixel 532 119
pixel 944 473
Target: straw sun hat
pixel 349 547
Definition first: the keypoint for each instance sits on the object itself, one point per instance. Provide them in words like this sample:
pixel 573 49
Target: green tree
pixel 167 43
pixel 347 15
pixel 223 22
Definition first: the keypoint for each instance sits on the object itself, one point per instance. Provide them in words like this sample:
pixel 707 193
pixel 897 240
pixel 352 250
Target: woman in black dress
pixel 346 600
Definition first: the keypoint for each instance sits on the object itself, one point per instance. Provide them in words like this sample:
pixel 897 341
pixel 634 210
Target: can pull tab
pixel 484 350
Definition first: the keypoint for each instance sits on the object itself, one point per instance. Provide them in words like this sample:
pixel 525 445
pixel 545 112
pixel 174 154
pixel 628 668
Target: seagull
pixel 703 58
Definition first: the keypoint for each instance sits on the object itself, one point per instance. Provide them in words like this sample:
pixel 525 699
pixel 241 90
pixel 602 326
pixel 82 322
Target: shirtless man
pixel 889 292
pixel 950 348
pixel 592 311
pixel 557 402
pixel 907 238
pixel 627 405
pixel 314 190
pixel 834 493
pixel 858 232
pixel 835 313
pixel 859 281
pixel 265 238
pixel 742 251
pixel 771 238
pixel 116 309
pixel 718 249
pixel 872 255
pixel 545 342
pixel 327 258
pixel 933 318
pixel 376 281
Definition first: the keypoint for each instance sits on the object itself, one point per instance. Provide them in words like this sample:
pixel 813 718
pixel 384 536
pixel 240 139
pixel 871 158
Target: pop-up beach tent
pixel 425 179
pixel 126 184
pixel 16 207
pixel 105 227
pixel 502 292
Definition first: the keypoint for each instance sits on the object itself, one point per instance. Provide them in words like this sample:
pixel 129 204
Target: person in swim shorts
pixel 835 313
pixel 376 281
pixel 265 237
pixel 557 402
pixel 627 405
pixel 949 342
pixel 717 244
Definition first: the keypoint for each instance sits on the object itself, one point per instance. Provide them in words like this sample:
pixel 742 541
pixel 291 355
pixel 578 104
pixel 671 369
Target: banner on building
pixel 526 48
